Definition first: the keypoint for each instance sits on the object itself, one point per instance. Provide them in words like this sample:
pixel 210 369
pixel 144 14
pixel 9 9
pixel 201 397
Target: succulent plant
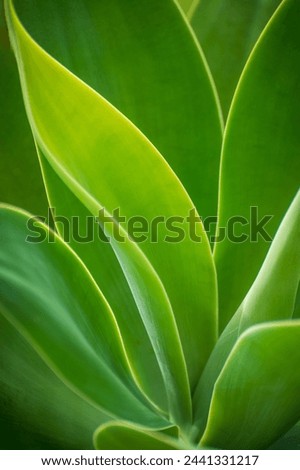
pixel 158 308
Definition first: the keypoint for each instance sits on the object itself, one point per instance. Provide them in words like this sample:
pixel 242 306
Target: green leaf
pixel 121 436
pixel 49 296
pixel 102 263
pixel 290 441
pixel 271 297
pixel 214 366
pixel 38 411
pixel 102 164
pixel 256 397
pixel 273 293
pixel 168 96
pixel 189 7
pixel 227 30
pixel 260 161
pixel 296 313
pixel 17 153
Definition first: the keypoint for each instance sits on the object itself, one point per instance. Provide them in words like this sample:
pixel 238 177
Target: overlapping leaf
pixel 93 158
pixel 189 7
pixel 155 75
pixel 118 435
pixel 38 411
pixel 273 293
pixel 123 151
pixel 227 31
pixel 80 229
pixel 47 293
pixel 260 162
pixel 254 405
pixel 271 297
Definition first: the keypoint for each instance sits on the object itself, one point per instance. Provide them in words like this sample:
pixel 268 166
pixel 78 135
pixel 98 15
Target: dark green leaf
pixel 47 293
pixel 290 441
pixel 227 31
pixel 21 181
pixel 38 411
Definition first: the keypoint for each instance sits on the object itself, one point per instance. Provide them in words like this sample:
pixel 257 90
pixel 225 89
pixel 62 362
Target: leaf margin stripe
pixel 265 32
pixel 247 334
pixel 61 169
pixel 168 441
pixel 134 389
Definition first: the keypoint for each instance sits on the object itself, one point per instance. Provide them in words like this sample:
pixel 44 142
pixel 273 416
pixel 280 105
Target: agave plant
pixel 163 341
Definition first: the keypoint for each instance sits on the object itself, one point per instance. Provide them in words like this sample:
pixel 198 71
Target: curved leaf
pixel 215 364
pixel 256 397
pixel 227 30
pixel 97 154
pixel 260 161
pixel 273 293
pixel 168 96
pixel 121 436
pixel 47 293
pixel 271 297
pixel 102 263
pixel 38 411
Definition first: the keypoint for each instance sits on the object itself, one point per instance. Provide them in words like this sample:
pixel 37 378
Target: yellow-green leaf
pixel 101 156
pixel 122 436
